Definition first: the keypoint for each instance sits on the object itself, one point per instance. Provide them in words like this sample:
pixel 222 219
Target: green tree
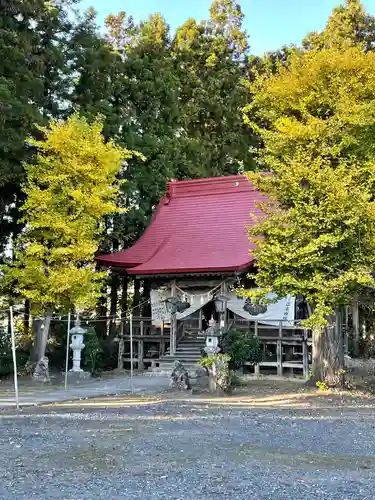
pixel 211 65
pixel 150 122
pixel 97 88
pixel 32 66
pixel 318 236
pixel 150 96
pixel 180 108
pixel 348 25
pixel 70 188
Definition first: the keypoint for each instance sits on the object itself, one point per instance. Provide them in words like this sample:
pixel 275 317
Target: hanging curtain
pixel 281 310
pixel 159 311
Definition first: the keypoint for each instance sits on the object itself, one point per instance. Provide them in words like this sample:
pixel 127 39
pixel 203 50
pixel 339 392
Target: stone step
pixel 184 347
pixel 192 341
pixel 169 360
pixel 185 362
pixel 182 351
pixel 190 346
pixel 194 347
pixel 166 369
pixel 182 357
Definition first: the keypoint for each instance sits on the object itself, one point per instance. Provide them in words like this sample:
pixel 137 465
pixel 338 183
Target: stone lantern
pixel 212 338
pixel 76 335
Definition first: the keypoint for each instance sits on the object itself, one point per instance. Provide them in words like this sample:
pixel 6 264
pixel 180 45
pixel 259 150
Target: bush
pixel 6 358
pixel 208 361
pixel 93 352
pixel 242 347
pixel 109 357
pixel 56 346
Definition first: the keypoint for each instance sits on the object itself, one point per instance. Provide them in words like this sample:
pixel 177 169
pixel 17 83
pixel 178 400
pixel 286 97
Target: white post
pixel 131 351
pixel 67 353
pixel 14 356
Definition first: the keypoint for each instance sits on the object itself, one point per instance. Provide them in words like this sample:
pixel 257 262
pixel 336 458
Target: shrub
pixel 93 352
pixel 242 347
pixel 6 358
pixel 208 361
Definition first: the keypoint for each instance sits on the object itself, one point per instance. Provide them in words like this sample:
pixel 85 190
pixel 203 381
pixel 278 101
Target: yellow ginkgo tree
pixel 316 119
pixel 70 186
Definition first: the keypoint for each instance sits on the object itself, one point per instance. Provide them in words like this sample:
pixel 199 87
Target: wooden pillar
pixel 356 332
pixel 305 355
pixel 124 294
pixel 173 329
pixel 256 367
pixel 223 316
pixel 279 351
pixel 200 326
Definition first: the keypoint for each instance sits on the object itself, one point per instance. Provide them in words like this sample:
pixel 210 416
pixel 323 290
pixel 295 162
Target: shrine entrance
pixel 208 312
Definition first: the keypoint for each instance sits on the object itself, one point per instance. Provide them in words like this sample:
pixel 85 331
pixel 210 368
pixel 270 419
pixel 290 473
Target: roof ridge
pixel 209 186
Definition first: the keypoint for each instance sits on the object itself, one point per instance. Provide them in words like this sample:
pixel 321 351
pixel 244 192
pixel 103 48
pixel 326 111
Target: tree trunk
pixel 102 312
pixel 26 317
pixel 356 329
pixel 124 294
pixel 115 283
pixel 146 308
pixel 41 329
pixel 328 355
pixel 137 297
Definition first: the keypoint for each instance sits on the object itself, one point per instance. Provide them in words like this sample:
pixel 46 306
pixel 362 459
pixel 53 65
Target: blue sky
pixel 269 23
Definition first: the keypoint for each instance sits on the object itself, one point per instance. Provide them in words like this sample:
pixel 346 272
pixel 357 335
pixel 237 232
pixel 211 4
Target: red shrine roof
pixel 198 227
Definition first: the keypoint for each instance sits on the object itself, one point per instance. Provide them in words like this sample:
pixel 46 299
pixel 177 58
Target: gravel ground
pixel 188 450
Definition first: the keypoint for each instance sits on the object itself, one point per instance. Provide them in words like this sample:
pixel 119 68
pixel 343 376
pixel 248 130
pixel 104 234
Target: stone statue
pixel 41 372
pixel 179 377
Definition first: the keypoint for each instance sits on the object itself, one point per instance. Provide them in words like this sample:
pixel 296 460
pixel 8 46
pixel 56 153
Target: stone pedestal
pixel 219 379
pixel 77 377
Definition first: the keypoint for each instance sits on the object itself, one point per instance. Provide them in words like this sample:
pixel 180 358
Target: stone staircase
pixel 188 352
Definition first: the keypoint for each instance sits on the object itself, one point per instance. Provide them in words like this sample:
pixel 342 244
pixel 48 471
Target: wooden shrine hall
pixel 195 253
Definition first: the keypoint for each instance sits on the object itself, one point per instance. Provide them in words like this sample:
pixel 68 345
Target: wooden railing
pixel 286 346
